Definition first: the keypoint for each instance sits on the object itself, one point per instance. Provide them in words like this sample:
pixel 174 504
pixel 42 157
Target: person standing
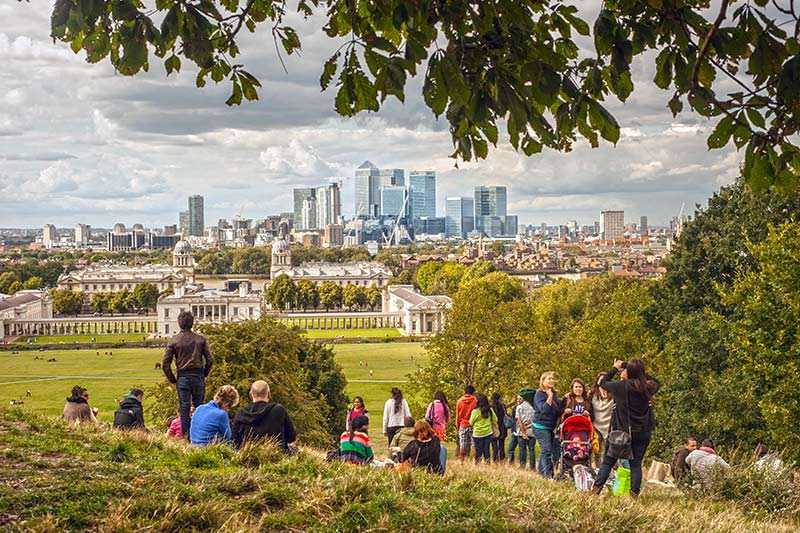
pixel 547 409
pixel 464 408
pixel 499 443
pixel 633 413
pixel 263 419
pixel 482 419
pixel 357 409
pixel 602 410
pixel 525 434
pixel 395 413
pixel 210 422
pixel 192 362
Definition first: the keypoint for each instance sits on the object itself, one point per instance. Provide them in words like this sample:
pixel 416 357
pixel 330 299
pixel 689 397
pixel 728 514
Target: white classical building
pixel 419 314
pixel 113 278
pixel 364 273
pixel 208 305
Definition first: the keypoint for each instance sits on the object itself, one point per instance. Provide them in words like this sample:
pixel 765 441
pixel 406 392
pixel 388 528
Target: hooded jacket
pixel 263 420
pixel 129 414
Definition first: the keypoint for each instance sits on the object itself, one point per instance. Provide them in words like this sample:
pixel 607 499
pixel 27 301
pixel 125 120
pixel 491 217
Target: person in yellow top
pixel 483 422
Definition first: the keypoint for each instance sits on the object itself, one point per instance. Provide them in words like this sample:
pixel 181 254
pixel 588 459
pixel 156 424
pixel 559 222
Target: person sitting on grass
pixel 130 414
pixel 354 445
pixel 77 407
pixel 424 451
pixel 210 422
pixel 263 420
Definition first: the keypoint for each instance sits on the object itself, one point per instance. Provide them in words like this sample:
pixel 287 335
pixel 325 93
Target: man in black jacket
pixel 130 414
pixel 263 420
pixel 192 363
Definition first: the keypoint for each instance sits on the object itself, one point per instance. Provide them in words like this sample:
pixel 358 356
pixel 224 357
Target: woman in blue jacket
pixel 547 409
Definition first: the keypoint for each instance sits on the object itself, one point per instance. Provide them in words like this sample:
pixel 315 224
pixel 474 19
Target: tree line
pixel 285 294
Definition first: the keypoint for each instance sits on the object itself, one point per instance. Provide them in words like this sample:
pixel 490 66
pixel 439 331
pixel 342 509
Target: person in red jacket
pixel 464 408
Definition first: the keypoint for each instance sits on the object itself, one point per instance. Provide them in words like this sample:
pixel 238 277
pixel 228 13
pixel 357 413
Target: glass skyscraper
pixel 196 215
pixel 459 216
pixel 422 191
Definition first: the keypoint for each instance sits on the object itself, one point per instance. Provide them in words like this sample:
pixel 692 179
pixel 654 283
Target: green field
pixel 67 339
pixel 108 377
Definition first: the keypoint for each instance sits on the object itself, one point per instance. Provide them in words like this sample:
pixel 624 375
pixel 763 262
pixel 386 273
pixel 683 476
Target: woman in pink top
pixel 438 415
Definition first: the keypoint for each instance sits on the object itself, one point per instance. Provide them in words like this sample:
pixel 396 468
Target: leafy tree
pixel 374 297
pixel 66 302
pixel 425 274
pixel 511 62
pixel 302 375
pixel 282 293
pixel 307 295
pixel 255 261
pixel 100 302
pixel 330 295
pixel 145 296
pixel 33 282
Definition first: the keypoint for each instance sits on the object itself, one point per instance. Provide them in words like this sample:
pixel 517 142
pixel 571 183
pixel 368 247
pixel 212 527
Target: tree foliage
pixel 515 63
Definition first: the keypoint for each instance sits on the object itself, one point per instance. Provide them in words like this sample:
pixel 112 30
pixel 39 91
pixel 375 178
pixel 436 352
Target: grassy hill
pixel 55 477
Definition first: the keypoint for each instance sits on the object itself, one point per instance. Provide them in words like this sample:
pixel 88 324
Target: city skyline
pixel 79 143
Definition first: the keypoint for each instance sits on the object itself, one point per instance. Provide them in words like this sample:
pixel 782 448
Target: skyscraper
pixel 49 235
pixel 459 216
pixel 82 234
pixel 183 223
pixel 644 229
pixel 368 183
pixel 613 225
pixel 422 191
pixel 196 215
pixel 299 196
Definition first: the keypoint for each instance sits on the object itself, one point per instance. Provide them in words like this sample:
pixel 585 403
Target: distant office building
pixel 308 214
pixel 613 225
pixel 369 180
pixel 171 230
pixel 459 216
pixel 49 236
pixel 119 228
pixel 183 223
pixel 422 193
pixel 82 234
pixel 393 199
pixel 196 215
pixel 644 229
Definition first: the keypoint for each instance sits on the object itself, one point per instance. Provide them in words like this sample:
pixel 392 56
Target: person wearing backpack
pixel 130 414
pixel 632 422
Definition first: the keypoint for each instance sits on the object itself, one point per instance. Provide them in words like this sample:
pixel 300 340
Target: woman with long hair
pixel 632 395
pixel 546 412
pixel 354 444
pixel 602 410
pixel 482 419
pixel 576 401
pixel 358 408
pixel 499 443
pixel 438 415
pixel 395 413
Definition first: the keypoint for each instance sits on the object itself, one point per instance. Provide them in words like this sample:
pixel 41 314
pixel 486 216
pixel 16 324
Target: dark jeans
pixel 499 449
pixel 547 451
pixel 526 451
pixel 639 443
pixel 191 391
pixel 482 447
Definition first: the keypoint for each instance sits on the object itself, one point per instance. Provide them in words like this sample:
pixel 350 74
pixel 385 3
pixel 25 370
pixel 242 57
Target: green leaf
pixel 722 133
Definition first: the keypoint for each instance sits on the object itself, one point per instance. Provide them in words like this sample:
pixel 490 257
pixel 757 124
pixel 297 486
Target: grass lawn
pixel 108 378
pixel 350 333
pixel 66 339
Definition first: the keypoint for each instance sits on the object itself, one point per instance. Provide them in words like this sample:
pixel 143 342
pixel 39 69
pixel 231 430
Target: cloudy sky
pixel 79 143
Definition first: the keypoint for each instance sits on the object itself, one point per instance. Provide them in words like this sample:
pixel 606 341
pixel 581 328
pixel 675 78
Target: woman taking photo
pixel 395 412
pixel 357 409
pixel 602 410
pixel 546 411
pixel 576 401
pixel 482 419
pixel 632 397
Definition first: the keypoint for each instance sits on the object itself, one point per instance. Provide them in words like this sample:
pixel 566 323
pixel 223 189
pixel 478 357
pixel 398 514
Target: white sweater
pixel 392 419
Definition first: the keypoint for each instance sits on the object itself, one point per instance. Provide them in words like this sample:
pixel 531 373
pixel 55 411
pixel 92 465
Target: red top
pixel 464 408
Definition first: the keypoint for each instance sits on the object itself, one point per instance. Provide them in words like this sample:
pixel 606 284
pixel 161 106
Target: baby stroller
pixel 575 434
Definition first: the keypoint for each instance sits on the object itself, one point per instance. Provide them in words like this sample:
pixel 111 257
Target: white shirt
pixel 392 418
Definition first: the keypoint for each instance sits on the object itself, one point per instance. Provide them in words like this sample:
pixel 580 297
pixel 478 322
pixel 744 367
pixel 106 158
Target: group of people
pixel 200 422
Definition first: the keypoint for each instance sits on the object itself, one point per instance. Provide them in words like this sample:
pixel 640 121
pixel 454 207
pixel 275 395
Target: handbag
pixel 618 443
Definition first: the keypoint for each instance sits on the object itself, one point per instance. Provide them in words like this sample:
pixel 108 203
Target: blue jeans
pixel 526 451
pixel 191 391
pixel 482 445
pixel 546 440
pixel 639 443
